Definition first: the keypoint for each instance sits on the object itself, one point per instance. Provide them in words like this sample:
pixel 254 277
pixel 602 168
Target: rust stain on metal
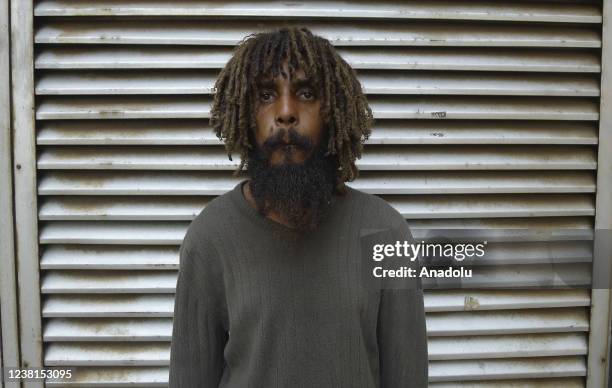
pixel 85 181
pixel 83 204
pixel 470 303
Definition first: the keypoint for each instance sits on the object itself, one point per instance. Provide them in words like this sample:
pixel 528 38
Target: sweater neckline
pixel 238 198
pixel 260 219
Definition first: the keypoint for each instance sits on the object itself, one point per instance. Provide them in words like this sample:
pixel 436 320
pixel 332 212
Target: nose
pixel 286 111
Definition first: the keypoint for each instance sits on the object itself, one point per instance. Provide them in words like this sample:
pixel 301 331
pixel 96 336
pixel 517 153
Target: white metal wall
pixel 9 333
pixel 487 115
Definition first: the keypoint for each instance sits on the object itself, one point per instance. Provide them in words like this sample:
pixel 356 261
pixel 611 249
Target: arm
pixel 401 331
pixel 402 339
pixel 198 334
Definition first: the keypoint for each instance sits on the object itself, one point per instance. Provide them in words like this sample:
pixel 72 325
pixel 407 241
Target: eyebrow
pixel 295 83
pixel 266 83
pixel 301 82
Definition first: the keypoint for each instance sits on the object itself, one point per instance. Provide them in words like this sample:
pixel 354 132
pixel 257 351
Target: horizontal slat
pixel 444 206
pixel 158 376
pixel 128 208
pixel 483 347
pixel 143 376
pixel 413 206
pixel 408 182
pixel 108 305
pixel 536 229
pixel 83 354
pixel 340 33
pixel 474 10
pixel 76 232
pixel 374 158
pixel 373 82
pixel 108 282
pixel 501 253
pixel 441 329
pixel 478 300
pixel 517 276
pixel 383 107
pixel 105 257
pixel 173 232
pixel 107 329
pixel 436 302
pixel 191 132
pixel 458 370
pixel 481 132
pixel 575 226
pixel 417 58
pixel 568 382
pixel 507 322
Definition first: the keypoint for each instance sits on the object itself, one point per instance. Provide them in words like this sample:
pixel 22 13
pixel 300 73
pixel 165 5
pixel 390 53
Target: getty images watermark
pixel 389 262
pixel 411 251
pixel 506 258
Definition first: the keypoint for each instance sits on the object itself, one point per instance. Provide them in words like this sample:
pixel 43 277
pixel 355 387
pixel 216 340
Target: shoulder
pixel 377 212
pixel 202 230
pixel 374 206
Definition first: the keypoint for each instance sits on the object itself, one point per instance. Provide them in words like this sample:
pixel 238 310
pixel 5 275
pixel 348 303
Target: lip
pixel 288 148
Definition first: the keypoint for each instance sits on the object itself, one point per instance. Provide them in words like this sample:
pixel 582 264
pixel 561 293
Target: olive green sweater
pixel 257 308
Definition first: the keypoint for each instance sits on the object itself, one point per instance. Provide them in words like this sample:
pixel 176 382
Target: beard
pixel 300 193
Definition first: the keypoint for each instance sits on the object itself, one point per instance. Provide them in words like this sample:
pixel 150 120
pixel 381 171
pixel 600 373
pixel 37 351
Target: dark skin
pixel 285 103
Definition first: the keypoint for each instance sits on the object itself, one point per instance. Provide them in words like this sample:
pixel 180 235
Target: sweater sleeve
pixel 402 336
pixel 402 339
pixel 198 332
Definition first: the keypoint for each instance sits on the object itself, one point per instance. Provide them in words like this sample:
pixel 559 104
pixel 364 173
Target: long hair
pixel 346 114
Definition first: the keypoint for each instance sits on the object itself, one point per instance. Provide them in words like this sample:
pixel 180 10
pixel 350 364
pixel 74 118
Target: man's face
pixel 288 118
pixel 290 173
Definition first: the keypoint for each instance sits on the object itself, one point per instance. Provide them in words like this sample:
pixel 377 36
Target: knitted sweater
pixel 257 306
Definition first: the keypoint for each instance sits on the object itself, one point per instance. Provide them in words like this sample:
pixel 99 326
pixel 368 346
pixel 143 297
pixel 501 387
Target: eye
pixel 265 96
pixel 307 94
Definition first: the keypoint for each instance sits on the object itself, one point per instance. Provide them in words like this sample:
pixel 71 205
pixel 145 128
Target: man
pixel 269 292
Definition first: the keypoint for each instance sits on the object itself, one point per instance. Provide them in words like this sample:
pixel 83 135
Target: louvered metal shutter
pixel 486 117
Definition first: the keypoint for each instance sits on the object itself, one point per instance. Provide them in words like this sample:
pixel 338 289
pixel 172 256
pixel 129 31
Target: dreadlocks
pixel 344 108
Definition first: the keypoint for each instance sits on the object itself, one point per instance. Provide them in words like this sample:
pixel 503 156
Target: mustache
pixel 295 138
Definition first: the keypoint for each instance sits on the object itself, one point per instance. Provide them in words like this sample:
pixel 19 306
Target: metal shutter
pixel 487 117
